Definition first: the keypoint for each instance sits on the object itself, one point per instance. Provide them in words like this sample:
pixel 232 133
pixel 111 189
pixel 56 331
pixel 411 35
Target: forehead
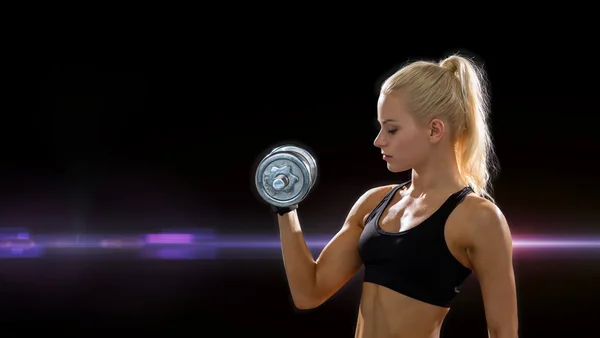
pixel 391 107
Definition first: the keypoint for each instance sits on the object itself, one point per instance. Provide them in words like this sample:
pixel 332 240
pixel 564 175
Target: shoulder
pixel 481 221
pixel 369 200
pixel 375 195
pixel 377 192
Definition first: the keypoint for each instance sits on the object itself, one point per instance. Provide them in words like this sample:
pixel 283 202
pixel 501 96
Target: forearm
pixel 300 266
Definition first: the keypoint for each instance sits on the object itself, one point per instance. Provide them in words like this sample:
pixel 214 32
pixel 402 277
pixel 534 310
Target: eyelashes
pixel 377 126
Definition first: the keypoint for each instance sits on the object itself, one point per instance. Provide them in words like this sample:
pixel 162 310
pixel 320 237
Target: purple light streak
pixel 319 243
pixel 557 243
pixel 201 245
pixel 169 238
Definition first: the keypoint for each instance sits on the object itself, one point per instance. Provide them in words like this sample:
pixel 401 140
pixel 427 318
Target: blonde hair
pixel 453 89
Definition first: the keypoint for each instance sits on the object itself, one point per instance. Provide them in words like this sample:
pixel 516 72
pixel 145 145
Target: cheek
pixel 409 146
pixel 406 141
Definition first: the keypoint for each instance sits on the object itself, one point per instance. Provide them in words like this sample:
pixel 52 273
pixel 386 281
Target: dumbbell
pixel 285 176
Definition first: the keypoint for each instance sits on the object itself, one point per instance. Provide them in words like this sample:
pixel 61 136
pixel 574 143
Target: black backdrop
pixel 133 133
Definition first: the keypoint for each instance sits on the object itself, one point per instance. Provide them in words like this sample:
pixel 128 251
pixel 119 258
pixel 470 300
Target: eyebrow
pixel 388 120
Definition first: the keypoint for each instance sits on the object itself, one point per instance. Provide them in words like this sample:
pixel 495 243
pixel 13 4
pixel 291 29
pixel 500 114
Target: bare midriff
pixel 384 313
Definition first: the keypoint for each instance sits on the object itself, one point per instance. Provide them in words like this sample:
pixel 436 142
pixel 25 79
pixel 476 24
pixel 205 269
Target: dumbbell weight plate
pixel 306 157
pixel 284 165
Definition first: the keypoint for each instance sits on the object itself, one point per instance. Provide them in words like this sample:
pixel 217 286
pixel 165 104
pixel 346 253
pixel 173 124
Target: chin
pixel 396 168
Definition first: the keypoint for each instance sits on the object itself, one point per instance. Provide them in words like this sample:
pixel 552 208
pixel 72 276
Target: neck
pixel 440 174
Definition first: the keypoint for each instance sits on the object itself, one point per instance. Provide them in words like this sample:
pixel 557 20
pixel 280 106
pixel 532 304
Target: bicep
pixel 490 254
pixel 339 260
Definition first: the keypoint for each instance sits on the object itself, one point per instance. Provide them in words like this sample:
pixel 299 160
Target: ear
pixel 436 130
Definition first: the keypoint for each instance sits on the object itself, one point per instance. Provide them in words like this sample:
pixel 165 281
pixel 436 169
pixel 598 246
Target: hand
pixel 283 210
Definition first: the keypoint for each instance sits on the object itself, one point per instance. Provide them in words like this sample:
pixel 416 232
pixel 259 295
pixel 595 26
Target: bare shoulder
pixel 369 201
pixel 377 193
pixel 481 221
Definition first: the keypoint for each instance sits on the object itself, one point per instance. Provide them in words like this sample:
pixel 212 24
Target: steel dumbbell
pixel 286 175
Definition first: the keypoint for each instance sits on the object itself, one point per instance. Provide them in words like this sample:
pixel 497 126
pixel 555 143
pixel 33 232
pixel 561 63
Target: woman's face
pixel 403 142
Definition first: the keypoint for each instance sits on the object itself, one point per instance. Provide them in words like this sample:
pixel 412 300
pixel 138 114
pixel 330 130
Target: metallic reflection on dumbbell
pixel 285 176
pixel 280 182
pixel 281 179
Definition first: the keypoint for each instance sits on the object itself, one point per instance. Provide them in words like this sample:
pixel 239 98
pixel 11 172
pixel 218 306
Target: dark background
pixel 135 131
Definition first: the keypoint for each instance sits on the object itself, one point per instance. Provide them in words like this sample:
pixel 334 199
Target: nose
pixel 378 142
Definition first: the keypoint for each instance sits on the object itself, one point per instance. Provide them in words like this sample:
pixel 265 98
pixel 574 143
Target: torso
pixel 384 313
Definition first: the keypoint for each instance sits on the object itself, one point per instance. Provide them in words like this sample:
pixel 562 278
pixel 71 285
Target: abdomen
pixel 384 313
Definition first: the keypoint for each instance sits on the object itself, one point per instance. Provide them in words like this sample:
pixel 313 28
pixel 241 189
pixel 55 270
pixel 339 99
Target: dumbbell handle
pixel 280 182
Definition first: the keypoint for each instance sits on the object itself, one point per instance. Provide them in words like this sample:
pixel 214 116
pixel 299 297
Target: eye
pixel 390 130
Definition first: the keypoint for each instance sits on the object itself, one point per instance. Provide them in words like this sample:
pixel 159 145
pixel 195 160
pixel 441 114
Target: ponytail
pixel 474 148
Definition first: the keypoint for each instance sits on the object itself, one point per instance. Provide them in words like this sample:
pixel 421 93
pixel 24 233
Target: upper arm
pixel 339 260
pixel 490 254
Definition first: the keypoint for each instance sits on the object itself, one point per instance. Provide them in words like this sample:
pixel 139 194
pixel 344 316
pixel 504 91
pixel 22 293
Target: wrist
pixel 284 210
